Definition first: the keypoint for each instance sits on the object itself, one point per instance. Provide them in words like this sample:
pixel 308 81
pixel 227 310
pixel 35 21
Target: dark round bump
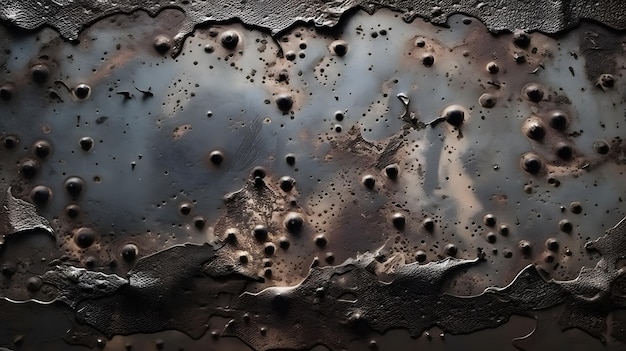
pixel 428 224
pixel 8 270
pixel 338 128
pixel 229 39
pixel 525 247
pixel 487 100
pixel 521 39
pixel 339 47
pixel 258 172
pixel 330 258
pixel 284 102
pixel 558 120
pixel 199 222
pixel 208 48
pixel 519 57
pixel 601 146
pixel 7 91
pixel 507 253
pixel 420 43
pixel 162 44
pixel 489 220
pixel 451 250
pixel 185 208
pixel 284 242
pixel 564 151
pixel 531 163
pixel 492 68
pixel 40 194
pixel 504 230
pixel 82 91
pixel 216 157
pixel 548 258
pixel 283 76
pixel 368 181
pixel 565 226
pixel 454 115
pixel 29 168
pixel 287 183
pixel 392 171
pixel 33 284
pixel 339 116
pixel 260 232
pixel 269 249
pixel 428 60
pixel 243 257
pixel 86 143
pixel 129 252
pixel 74 186
pixel 398 220
pixel 290 55
pixel 606 81
pixel 321 241
pixel 293 222
pixel 552 244
pixel 10 141
pixel 40 73
pixel 72 210
pixel 420 256
pixel 290 159
pixel 84 237
pixel 267 273
pixel 533 128
pixel 576 207
pixel 42 149
pixel 231 235
pixel 491 237
pixel 259 182
pixel 533 92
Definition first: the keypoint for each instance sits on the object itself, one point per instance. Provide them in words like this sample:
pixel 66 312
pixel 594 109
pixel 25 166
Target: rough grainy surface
pixel 70 17
pixel 334 305
pixel 19 216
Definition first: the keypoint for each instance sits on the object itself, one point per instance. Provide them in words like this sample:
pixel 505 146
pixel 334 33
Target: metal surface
pixel 375 185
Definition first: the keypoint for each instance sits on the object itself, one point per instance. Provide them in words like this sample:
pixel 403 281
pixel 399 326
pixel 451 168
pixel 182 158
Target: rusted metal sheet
pixel 382 183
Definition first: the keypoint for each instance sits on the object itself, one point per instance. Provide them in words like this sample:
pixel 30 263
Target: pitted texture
pixel 70 17
pixel 346 302
pixel 413 300
pixel 165 291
